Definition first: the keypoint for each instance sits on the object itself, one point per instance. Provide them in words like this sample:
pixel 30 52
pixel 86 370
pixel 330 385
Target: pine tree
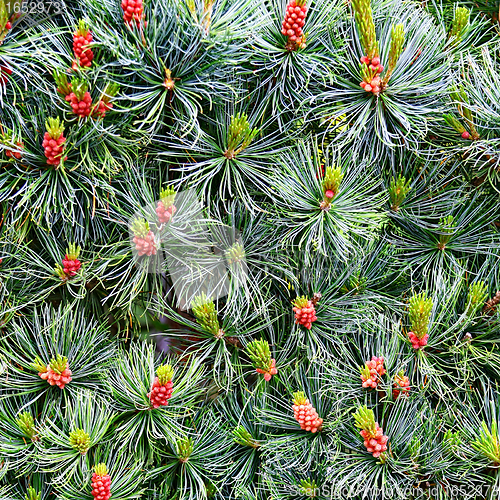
pixel 249 249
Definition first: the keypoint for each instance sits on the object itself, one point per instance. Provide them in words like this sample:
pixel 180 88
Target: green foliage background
pixel 367 255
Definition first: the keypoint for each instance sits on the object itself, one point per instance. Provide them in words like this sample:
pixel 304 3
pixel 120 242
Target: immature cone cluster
pixel 206 315
pixel 260 355
pixel 70 264
pixel 371 70
pixel 401 384
pixel 79 98
pixel 104 105
pixel 461 99
pixel 101 483
pixel 420 312
pixel 144 238
pixel 330 184
pixel 372 372
pixel 53 141
pixel 235 254
pixel 398 189
pixel 133 11
pixel 57 372
pixel 82 37
pixel 165 208
pixel 305 311
pixel 416 342
pixel 184 448
pixel 374 440
pixel 26 424
pixel 371 67
pixel 295 18
pixel 244 438
pixel 446 229
pixel 79 440
pixel 162 388
pixel 10 153
pixel 305 414
pixel 460 21
pixel 240 135
pixel 476 297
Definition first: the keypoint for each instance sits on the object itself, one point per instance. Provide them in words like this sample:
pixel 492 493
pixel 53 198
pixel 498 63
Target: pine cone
pixel 162 388
pixel 372 372
pixel 295 18
pixel 133 10
pixel 57 372
pixel 101 483
pixel 373 437
pixel 305 312
pixel 401 384
pixel 305 414
pixel 53 141
pixel 82 37
pixel 81 107
pixel 15 154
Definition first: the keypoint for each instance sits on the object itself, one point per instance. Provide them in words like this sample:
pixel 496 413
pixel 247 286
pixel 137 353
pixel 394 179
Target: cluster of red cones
pixel 372 372
pixel 101 483
pixel 295 18
pixel 418 343
pixel 305 413
pixel 305 310
pixel 162 388
pixel 373 82
pixel 375 442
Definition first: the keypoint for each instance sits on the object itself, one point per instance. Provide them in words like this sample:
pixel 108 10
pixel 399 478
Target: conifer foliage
pixel 249 249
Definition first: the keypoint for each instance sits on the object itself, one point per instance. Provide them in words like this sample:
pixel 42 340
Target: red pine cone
pixel 133 10
pixel 416 342
pixel 160 394
pixel 373 86
pixel 401 384
pixel 165 214
pixel 101 486
pixel 54 378
pixel 15 154
pixel 305 316
pixel 374 82
pixel 83 54
pixel 377 370
pixel 270 372
pixel 295 18
pixel 53 148
pixel 71 266
pixel 145 246
pixel 80 108
pixel 375 443
pixel 102 108
pixel 465 135
pixel 307 417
